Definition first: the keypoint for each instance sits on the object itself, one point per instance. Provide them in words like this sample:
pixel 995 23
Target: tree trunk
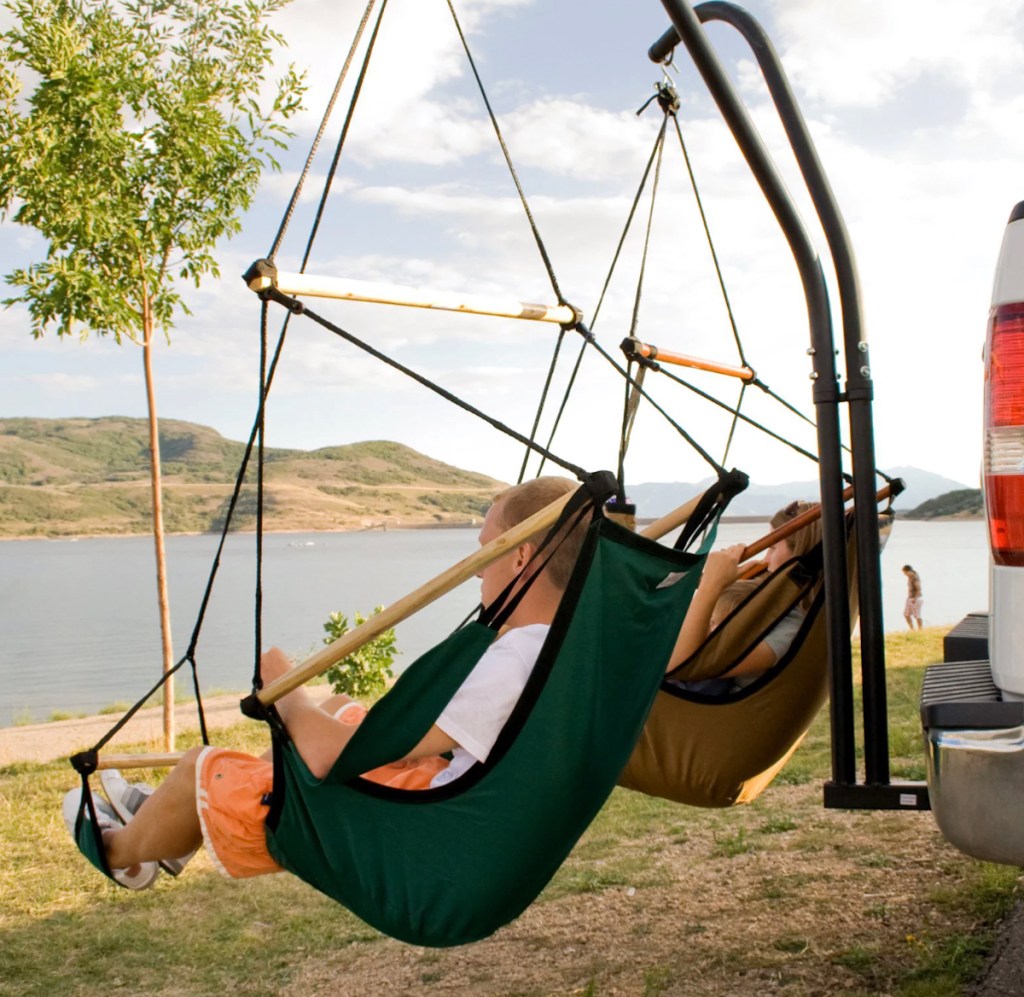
pixel 158 528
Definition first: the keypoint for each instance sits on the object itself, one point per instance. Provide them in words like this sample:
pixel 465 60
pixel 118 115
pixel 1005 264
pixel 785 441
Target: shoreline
pixel 399 526
pixel 381 528
pixel 390 528
pixel 54 740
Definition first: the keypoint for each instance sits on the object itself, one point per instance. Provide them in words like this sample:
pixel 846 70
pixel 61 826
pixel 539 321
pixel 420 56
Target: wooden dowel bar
pixel 799 522
pixel 454 576
pixel 156 761
pixel 415 601
pixel 671 520
pixel 649 352
pixel 347 289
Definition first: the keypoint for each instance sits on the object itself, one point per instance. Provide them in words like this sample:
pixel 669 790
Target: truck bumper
pixel 974 743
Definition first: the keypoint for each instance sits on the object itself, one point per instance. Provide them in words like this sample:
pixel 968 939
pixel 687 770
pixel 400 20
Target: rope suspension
pixel 298 308
pixel 273 285
pixel 328 112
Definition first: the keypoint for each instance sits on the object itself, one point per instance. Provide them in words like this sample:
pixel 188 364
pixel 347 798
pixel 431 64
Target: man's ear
pixel 523 554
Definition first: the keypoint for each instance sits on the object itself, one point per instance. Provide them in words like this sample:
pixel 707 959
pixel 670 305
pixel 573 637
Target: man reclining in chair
pixel 221 797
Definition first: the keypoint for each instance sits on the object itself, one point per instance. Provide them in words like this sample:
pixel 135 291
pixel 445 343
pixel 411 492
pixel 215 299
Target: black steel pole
pixel 826 390
pixel 859 386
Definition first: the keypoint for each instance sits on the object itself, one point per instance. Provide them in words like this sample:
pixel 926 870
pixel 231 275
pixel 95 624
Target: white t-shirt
pixel 477 712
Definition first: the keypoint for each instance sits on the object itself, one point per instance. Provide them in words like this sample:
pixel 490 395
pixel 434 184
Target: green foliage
pixel 365 672
pixel 137 148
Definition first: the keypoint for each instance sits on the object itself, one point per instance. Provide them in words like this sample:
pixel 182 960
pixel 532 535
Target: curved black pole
pixel 859 387
pixel 688 29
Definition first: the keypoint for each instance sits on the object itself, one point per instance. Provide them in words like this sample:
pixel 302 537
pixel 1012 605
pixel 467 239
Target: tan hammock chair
pixel 717 751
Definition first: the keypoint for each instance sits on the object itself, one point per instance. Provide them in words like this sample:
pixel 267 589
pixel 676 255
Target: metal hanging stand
pixel 843 790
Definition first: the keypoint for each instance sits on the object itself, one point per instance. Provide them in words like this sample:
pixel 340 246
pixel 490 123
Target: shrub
pixel 365 672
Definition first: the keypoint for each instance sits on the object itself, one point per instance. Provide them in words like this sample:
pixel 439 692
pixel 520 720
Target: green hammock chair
pixel 718 751
pixel 450 865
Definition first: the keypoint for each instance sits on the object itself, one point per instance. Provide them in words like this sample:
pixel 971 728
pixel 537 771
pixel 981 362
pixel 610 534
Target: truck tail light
pixel 1004 434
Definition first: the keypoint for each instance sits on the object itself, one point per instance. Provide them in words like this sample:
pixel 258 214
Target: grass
pixel 780 896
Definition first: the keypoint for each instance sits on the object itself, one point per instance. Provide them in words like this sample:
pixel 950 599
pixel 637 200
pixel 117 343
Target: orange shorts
pixel 233 794
pixel 398 775
pixel 233 799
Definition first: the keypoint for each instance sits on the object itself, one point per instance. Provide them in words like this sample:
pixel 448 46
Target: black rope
pixel 257 678
pixel 733 423
pixel 711 244
pixel 758 383
pixel 565 396
pixel 626 228
pixel 297 307
pixel 750 422
pixel 660 147
pixel 600 301
pixel 672 422
pixel 536 236
pixel 297 192
pixel 189 655
pixel 629 405
pixel 508 160
pixel 342 138
pixel 542 402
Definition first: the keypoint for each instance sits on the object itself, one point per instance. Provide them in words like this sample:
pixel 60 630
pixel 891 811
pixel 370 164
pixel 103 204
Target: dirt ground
pixel 782 898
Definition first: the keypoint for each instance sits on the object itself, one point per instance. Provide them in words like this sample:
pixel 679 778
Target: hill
pixel 657 498
pixel 963 503
pixel 76 477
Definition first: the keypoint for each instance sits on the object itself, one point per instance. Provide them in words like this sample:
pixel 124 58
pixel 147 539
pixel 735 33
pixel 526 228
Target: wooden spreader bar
pixel 798 523
pixel 264 276
pixel 634 349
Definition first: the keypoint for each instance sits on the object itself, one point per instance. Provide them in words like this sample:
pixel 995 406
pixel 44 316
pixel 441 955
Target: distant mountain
pixel 964 503
pixel 76 477
pixel 922 486
pixel 654 499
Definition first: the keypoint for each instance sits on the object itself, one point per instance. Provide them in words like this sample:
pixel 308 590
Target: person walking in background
pixel 912 610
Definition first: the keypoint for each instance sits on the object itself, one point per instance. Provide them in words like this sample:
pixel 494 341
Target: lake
pixel 79 628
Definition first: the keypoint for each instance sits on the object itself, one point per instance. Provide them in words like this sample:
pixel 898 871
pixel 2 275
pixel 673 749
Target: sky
pixel 918 117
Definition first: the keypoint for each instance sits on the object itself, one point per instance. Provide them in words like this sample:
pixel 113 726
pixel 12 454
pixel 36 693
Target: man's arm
pixel 318 737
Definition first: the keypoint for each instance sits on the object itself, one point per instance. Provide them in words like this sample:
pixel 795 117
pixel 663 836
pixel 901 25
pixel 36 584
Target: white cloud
pixel 417 51
pixel 925 188
pixel 858 53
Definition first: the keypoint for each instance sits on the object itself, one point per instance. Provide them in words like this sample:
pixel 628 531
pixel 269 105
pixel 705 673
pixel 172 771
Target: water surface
pixel 79 628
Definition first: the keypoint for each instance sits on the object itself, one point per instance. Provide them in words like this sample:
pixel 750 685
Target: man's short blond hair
pixel 521 501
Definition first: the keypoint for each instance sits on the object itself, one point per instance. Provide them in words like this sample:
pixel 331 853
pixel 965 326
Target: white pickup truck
pixel 972 706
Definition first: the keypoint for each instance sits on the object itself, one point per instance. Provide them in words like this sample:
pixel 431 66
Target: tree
pixel 132 138
pixel 366 671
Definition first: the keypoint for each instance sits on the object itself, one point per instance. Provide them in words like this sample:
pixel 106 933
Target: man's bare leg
pixel 318 737
pixel 165 826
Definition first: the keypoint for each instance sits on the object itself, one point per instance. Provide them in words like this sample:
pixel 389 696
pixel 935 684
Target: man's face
pixel 496 577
